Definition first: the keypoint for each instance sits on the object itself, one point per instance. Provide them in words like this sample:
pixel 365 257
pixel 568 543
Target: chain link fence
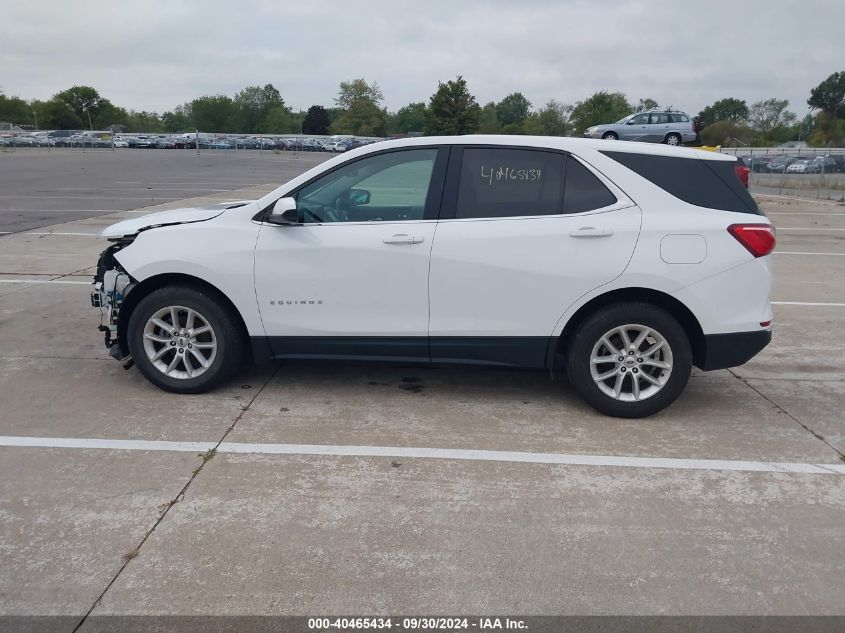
pixel 810 172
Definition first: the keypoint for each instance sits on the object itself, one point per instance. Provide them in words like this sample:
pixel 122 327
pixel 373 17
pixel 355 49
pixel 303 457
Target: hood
pixel 168 218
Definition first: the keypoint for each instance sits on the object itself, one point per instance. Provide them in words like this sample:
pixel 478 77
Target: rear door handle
pixel 403 238
pixel 591 231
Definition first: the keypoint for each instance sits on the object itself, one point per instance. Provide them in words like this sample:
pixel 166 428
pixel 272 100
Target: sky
pixel 157 54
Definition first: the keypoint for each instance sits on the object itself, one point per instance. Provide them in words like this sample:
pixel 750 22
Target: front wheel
pixel 183 340
pixel 611 136
pixel 630 360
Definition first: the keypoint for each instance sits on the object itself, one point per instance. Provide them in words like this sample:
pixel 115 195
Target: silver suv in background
pixel 653 126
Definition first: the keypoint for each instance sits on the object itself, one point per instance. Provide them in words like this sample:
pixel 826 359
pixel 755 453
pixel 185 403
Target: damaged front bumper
pixel 111 286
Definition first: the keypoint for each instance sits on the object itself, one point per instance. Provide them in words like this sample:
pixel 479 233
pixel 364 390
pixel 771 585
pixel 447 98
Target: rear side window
pixel 500 182
pixel 497 183
pixel 704 183
pixel 678 118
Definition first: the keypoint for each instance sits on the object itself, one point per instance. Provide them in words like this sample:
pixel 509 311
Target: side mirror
pixel 357 197
pixel 284 212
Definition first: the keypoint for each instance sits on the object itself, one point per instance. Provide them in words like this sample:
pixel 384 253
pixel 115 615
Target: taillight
pixel 759 239
pixel 742 173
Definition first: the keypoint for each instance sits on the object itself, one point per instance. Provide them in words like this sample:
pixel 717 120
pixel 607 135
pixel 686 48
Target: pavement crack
pixel 816 435
pixel 165 508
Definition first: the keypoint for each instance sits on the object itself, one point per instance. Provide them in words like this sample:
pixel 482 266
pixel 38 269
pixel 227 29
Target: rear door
pixel 658 127
pixel 523 233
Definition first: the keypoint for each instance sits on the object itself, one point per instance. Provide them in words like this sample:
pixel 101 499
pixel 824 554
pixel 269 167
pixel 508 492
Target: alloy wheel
pixel 179 342
pixel 631 362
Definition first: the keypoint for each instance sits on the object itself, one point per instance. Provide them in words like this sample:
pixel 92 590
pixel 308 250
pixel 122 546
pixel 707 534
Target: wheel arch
pixel 643 295
pixel 150 284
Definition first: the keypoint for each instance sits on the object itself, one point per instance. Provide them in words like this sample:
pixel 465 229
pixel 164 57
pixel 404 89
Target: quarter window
pixel 386 187
pixel 584 192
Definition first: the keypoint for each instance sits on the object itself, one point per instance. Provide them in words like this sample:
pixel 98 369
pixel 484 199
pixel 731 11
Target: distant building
pixel 9 127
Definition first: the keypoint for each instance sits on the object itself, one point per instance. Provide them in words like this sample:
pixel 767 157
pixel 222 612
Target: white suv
pixel 623 263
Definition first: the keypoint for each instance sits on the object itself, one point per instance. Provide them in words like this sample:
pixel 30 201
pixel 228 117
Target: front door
pixel 352 278
pixel 637 128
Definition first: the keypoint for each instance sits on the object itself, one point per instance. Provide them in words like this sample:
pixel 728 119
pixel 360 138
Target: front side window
pixel 640 119
pixel 386 187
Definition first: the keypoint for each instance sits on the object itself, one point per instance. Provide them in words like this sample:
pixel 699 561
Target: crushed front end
pixel 111 285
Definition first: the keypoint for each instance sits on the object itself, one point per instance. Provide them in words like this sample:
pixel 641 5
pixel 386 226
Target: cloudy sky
pixel 156 54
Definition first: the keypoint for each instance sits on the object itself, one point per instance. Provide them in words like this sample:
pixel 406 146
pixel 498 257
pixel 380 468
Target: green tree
pixel 109 116
pixel 178 120
pixel 829 96
pixel 601 107
pixel 647 104
pixel 316 121
pixel 727 133
pixel 551 120
pixel 410 118
pixel 277 120
pixel 144 122
pixel 15 110
pixel 252 104
pixel 85 102
pixel 56 115
pixel 488 120
pixel 452 109
pixel 362 112
pixel 727 109
pixel 213 113
pixel 765 117
pixel 513 110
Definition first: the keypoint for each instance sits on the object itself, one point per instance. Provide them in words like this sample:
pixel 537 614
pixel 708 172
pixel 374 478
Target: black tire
pixel 673 137
pixel 610 136
pixel 227 332
pixel 606 319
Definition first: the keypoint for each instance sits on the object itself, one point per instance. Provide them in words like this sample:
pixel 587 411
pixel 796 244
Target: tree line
pixel 452 109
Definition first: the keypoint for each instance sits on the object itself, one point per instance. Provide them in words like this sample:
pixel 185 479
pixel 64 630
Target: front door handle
pixel 591 231
pixel 403 238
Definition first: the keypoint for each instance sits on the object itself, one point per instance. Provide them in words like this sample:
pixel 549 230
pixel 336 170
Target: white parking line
pixel 792 228
pixel 806 253
pixel 46 281
pixel 807 303
pixel 57 233
pixel 800 213
pixel 431 453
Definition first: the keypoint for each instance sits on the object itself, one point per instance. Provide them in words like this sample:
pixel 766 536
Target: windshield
pixel 625 118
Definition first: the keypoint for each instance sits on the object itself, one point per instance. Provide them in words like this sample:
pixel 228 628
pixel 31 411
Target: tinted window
pixel 584 192
pixel 704 183
pixel 498 183
pixel 390 186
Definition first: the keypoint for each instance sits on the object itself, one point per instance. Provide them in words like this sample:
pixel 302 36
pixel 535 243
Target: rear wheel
pixel 610 136
pixel 184 340
pixel 630 360
pixel 672 139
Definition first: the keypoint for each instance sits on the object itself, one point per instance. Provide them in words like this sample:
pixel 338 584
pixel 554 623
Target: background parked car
pixel 803 166
pixel 653 126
